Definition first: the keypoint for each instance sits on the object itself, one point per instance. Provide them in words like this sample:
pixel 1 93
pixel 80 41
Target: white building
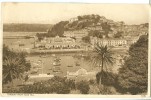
pixel 57 43
pixel 81 74
pixel 108 42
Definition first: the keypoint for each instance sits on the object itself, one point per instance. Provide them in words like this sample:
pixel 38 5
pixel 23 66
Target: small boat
pixel 57 59
pixel 21 44
pixel 69 66
pixel 56 64
pixel 55 71
pixel 34 72
pixel 48 73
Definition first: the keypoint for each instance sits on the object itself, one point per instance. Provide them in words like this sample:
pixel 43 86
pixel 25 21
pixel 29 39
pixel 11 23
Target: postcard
pixel 75 50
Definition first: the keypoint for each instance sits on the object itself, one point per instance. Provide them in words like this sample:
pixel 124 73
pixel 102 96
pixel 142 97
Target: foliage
pixel 94 89
pixel 41 36
pixel 14 65
pixel 133 76
pixel 92 82
pixel 95 33
pixel 118 34
pixel 83 86
pixel 57 29
pixel 107 78
pixel 106 27
pixel 71 84
pixel 86 39
pixel 93 17
pixel 107 90
pixel 59 85
pixel 87 21
pixel 103 57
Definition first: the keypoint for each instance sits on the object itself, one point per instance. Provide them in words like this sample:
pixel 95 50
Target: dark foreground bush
pixel 107 78
pixel 57 85
pixel 83 86
pixel 107 90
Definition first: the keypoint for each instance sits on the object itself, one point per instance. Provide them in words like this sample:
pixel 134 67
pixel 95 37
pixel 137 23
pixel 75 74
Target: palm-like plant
pixel 13 68
pixel 103 58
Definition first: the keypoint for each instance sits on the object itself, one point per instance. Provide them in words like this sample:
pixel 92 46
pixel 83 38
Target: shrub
pixel 92 82
pixel 107 78
pixel 60 88
pixel 70 83
pixel 57 85
pixel 107 90
pixel 83 86
pixel 94 89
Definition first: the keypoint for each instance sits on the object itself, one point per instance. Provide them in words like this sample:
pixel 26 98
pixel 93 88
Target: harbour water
pixel 44 63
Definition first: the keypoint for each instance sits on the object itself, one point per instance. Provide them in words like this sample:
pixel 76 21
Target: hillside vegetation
pixel 80 22
pixel 96 26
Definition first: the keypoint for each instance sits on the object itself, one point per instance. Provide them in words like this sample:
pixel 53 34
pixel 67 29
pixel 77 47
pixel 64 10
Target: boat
pixel 22 44
pixel 56 64
pixel 48 73
pixel 57 59
pixel 34 71
pixel 69 66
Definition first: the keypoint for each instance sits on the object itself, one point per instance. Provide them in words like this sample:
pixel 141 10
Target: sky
pixel 51 13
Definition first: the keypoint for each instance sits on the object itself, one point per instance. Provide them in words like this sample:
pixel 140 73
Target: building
pixel 108 42
pixel 131 40
pixel 57 43
pixel 81 74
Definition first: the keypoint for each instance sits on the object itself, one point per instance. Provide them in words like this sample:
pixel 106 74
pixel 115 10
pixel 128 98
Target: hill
pixel 82 22
pixel 97 25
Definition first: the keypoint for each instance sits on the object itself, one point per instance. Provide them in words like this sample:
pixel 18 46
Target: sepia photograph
pixel 75 49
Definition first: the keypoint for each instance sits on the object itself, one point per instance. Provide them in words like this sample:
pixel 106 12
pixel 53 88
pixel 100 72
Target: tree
pixel 106 28
pixel 86 39
pixel 95 33
pixel 58 29
pixel 103 57
pixel 14 65
pixel 133 76
pixel 118 34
